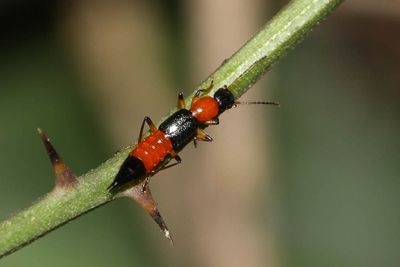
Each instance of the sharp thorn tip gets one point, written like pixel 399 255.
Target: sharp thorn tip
pixel 64 176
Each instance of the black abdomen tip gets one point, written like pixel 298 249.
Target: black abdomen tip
pixel 131 170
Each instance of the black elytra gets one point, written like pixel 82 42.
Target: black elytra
pixel 179 127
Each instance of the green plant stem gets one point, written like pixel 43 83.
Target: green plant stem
pixel 58 207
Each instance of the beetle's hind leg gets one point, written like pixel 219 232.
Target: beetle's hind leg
pixel 175 156
pixel 152 128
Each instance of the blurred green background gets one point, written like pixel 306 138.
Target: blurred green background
pixel 313 183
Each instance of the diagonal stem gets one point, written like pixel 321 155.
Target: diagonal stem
pixel 273 41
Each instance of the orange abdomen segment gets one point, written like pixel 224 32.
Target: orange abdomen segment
pixel 205 109
pixel 153 149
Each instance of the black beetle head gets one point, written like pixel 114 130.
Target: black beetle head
pixel 224 98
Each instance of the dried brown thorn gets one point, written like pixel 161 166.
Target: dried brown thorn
pixel 145 199
pixel 65 178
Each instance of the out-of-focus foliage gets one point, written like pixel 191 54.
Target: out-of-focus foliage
pixel 40 86
pixel 332 158
pixel 339 145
